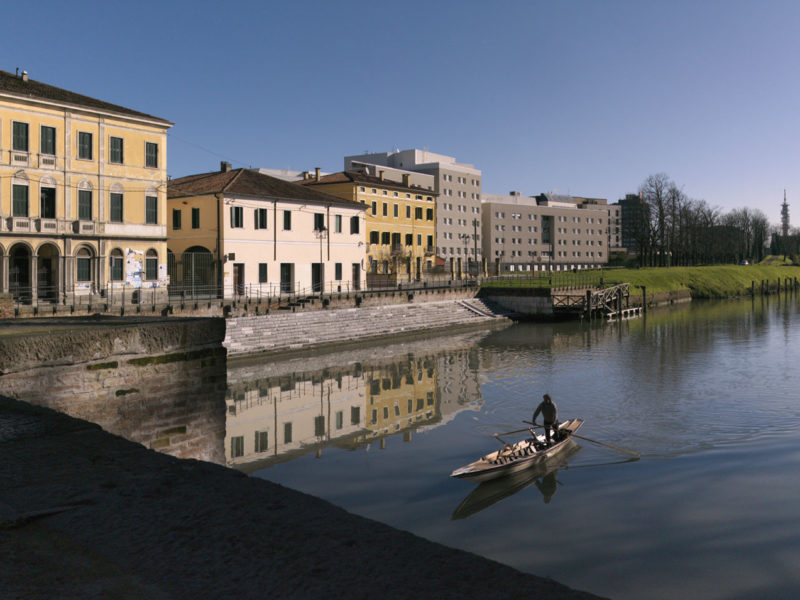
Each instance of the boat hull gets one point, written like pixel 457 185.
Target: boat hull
pixel 516 458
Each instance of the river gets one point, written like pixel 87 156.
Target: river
pixel 706 393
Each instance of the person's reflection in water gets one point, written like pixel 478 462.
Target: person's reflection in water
pixel 547 485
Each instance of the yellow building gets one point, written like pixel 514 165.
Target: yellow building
pixel 400 221
pixel 82 196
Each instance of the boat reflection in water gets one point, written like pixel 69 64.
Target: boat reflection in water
pixel 542 474
pixel 278 411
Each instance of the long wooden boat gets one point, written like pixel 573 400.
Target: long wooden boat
pixel 518 456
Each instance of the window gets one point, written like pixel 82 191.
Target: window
pixel 287 220
pixel 20 141
pixel 47 206
pixel 48 140
pixel 319 222
pixel 84 145
pixel 287 433
pixel 430 241
pixel 262 441
pixel 418 212
pixel 115 201
pixel 260 215
pixel 176 218
pixel 374 237
pixel 20 207
pixel 195 218
pixel 339 419
pixel 262 272
pixel 84 262
pixel 385 209
pixel 355 415
pixel 337 223
pixel 151 210
pixel 374 208
pixel 117 265
pixel 237 217
pixel 429 214
pixel 408 212
pixel 85 205
pixel 150 155
pixel 151 265
pixel 115 150
pixel 354 226
pixel 337 268
pixel 396 211
pixel 385 238
pixel 237 446
pixel 409 239
pixel 319 425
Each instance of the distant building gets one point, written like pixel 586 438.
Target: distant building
pixel 238 232
pixel 632 215
pixel 83 195
pixel 545 232
pixel 400 219
pixel 458 204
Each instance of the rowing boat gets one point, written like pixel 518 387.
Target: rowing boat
pixel 519 455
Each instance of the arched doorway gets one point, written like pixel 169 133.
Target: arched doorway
pixel 47 273
pixel 19 273
pixel 198 268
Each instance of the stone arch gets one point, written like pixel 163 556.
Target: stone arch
pixel 20 257
pixel 47 271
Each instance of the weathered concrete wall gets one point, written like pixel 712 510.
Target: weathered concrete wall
pixel 158 382
pixel 534 303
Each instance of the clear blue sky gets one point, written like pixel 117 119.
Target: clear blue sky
pixel 583 97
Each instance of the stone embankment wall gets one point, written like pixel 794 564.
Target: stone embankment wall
pixel 286 331
pixel 160 382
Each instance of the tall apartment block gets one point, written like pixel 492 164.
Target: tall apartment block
pixel 545 232
pixel 458 204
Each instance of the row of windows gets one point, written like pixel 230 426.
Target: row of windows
pixel 418 211
pixel 387 238
pixel 396 195
pixel 20 206
pixel 459 179
pixel 84 259
pixel 260 220
pixel 261 441
pixel 85 144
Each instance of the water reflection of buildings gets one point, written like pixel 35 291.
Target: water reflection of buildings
pixel 278 411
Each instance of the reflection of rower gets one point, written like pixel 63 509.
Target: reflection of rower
pixel 547 485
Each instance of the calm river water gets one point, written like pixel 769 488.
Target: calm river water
pixel 707 393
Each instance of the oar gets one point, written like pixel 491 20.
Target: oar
pixel 617 448
pixel 515 431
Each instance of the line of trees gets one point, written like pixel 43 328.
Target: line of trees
pixel 672 229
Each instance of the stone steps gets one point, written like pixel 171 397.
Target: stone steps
pixel 288 331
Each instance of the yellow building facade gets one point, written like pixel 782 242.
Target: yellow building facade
pixel 82 197
pixel 400 221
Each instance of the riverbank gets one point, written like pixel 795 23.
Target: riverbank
pixel 91 515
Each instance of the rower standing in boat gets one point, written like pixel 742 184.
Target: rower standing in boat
pixel 549 412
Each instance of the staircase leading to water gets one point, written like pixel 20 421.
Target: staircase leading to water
pixel 285 331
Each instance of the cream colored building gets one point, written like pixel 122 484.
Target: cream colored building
pixel 82 196
pixel 237 232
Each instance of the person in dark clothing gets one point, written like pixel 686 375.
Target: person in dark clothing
pixel 549 412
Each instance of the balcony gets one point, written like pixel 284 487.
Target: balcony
pixel 48 226
pixel 19 224
pixel 397 248
pixel 47 161
pixel 19 158
pixel 84 227
pixel 430 250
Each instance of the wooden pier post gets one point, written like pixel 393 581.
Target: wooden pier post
pixel 644 298
pixel 588 304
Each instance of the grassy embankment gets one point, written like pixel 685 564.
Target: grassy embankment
pixel 720 281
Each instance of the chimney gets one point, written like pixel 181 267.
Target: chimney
pixel 514 193
pixel 380 173
pixel 316 173
pixel 406 180
pixel 224 166
pixel 24 76
pixel 304 175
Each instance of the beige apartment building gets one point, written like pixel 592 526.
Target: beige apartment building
pixel 82 196
pixel 458 203
pixel 237 232
pixel 545 233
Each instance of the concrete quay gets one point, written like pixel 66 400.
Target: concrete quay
pixel 86 514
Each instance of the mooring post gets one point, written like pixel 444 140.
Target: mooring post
pixel 779 285
pixel 752 288
pixel 644 298
pixel 588 304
